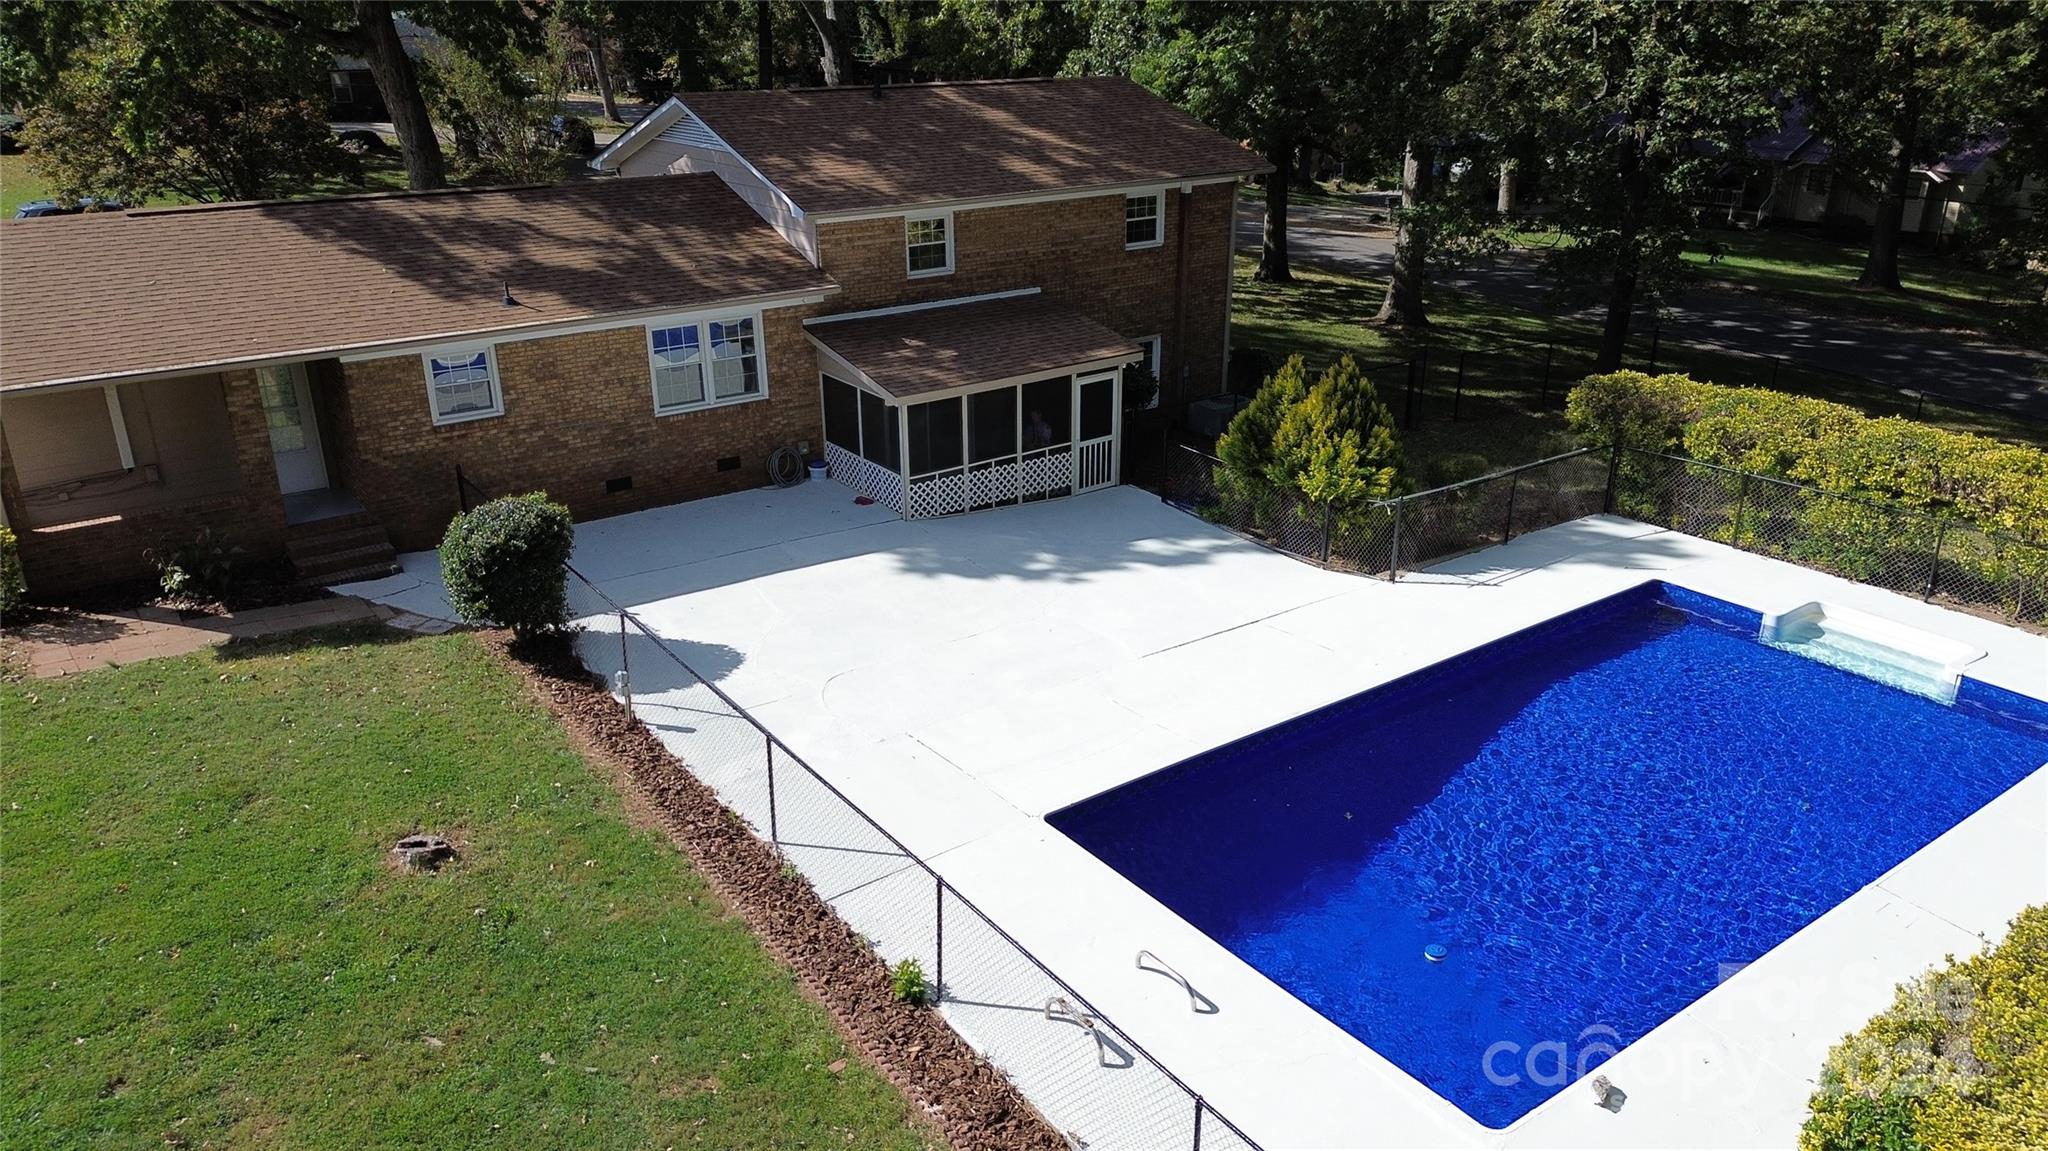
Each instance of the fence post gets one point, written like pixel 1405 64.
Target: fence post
pixel 1507 531
pixel 938 938
pixel 1327 517
pixel 1543 397
pixel 1408 398
pixel 1613 466
pixel 774 828
pixel 1656 338
pixel 1741 497
pixel 1198 1123
pixel 1934 569
pixel 625 668
pixel 1394 548
pixel 1919 404
pixel 1775 361
pixel 1458 394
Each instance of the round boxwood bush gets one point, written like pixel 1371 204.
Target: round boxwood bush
pixel 505 563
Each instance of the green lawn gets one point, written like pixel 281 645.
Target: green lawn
pixel 18 185
pixel 1818 273
pixel 1501 417
pixel 205 947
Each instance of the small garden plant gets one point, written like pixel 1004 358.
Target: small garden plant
pixel 906 982
pixel 506 563
pixel 12 585
pixel 1959 1062
pixel 201 568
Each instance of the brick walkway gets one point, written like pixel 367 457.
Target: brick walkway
pixel 85 640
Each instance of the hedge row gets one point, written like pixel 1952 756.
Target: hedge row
pixel 1959 1062
pixel 1997 486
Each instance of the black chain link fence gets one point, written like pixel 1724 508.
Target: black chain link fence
pixel 1899 549
pixel 1084 1073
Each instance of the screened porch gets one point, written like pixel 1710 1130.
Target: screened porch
pixel 937 410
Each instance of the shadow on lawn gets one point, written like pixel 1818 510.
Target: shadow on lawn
pixel 363 633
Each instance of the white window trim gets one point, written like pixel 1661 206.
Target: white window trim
pixel 1158 346
pixel 1158 198
pixel 703 321
pixel 453 351
pixel 918 217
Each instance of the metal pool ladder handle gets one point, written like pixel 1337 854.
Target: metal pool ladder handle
pixel 1198 1003
pixel 1058 1007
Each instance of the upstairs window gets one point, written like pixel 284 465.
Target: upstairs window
pixel 462 384
pixel 1142 221
pixel 928 245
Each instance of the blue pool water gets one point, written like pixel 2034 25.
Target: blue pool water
pixel 1593 818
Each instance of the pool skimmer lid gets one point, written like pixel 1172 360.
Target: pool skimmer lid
pixel 1436 952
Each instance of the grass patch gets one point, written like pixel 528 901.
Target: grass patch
pixel 19 184
pixel 1507 413
pixel 205 945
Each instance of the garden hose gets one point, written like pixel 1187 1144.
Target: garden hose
pixel 786 467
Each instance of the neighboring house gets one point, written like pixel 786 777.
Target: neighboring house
pixel 946 321
pixel 1792 181
pixel 352 93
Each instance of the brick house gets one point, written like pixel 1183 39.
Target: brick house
pixel 938 290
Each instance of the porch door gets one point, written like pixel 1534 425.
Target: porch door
pixel 1097 413
pixel 294 429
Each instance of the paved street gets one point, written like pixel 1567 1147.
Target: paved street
pixel 1975 370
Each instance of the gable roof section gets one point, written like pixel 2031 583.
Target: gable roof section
pixel 857 149
pixel 197 289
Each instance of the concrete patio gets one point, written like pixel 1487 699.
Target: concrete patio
pixel 959 678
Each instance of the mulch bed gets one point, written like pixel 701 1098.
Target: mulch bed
pixel 965 1097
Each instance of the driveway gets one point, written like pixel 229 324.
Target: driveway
pixel 1724 319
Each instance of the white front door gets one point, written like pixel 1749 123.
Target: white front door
pixel 1098 413
pixel 294 429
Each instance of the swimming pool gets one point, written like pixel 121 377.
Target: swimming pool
pixel 1596 820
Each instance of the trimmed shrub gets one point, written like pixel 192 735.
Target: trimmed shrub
pixel 13 586
pixel 1959 1062
pixel 1992 484
pixel 505 562
pixel 1331 443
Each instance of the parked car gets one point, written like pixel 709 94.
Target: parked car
pixel 34 208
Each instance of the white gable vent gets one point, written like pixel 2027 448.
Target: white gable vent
pixel 691 132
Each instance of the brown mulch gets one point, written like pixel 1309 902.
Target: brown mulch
pixel 959 1092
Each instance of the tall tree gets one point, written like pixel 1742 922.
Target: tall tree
pixel 159 99
pixel 1894 87
pixel 764 45
pixel 366 29
pixel 1634 105
pixel 837 23
pixel 1256 71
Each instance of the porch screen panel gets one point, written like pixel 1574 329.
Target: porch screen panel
pixel 1098 409
pixel 991 425
pixel 842 414
pixel 934 435
pixel 1048 412
pixel 878 432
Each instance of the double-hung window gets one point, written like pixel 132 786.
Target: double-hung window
pixel 462 384
pixel 1142 221
pixel 928 245
pixel 698 363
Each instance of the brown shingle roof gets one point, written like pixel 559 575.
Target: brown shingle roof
pixel 154 291
pixel 844 149
pixel 916 353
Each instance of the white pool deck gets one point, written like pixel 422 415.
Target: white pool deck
pixel 959 678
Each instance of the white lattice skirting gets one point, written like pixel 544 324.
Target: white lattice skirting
pixel 866 477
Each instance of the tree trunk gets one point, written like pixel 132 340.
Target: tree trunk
pixel 764 45
pixel 1273 242
pixel 1504 203
pixel 1403 304
pixel 602 69
pixel 1621 304
pixel 1881 267
pixel 835 44
pixel 399 83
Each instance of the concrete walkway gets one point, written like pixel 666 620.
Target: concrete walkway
pixel 81 641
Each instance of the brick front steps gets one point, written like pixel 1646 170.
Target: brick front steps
pixel 340 549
